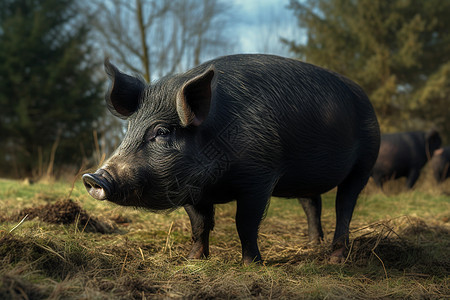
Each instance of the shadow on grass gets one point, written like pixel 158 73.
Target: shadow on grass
pixel 405 244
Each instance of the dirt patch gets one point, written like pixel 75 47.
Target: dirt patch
pixel 119 219
pixel 65 212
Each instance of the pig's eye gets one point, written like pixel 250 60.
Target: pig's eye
pixel 159 132
pixel 162 131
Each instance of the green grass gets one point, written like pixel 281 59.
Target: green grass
pixel 399 249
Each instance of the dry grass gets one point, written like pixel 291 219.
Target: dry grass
pixel 399 250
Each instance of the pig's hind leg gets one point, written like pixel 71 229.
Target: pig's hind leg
pixel 347 194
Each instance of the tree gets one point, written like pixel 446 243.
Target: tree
pixel 156 38
pixel 398 51
pixel 49 97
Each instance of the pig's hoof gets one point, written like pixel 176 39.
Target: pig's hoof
pixel 197 253
pixel 198 256
pixel 315 242
pixel 252 263
pixel 195 257
pixel 336 260
pixel 249 261
pixel 337 257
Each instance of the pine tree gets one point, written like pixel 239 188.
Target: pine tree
pixel 49 97
pixel 398 51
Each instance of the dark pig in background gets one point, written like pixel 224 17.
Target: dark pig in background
pixel 241 127
pixel 440 164
pixel 404 154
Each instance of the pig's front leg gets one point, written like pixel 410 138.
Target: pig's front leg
pixel 250 211
pixel 202 222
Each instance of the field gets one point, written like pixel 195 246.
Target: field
pixel 71 246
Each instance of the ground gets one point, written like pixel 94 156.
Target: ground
pixel 72 246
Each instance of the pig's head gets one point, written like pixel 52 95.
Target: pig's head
pixel 154 167
pixel 432 142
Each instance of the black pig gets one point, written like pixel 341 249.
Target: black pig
pixel 241 127
pixel 440 164
pixel 404 154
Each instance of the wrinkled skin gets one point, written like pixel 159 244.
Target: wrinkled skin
pixel 242 128
pixel 404 155
pixel 440 164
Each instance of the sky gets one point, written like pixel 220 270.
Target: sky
pixel 259 25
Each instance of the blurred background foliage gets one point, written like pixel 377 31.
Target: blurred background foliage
pixel 398 51
pixel 53 121
pixel 49 95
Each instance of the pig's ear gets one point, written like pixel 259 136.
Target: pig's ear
pixel 194 98
pixel 122 97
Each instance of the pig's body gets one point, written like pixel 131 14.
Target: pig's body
pixel 403 154
pixel 251 127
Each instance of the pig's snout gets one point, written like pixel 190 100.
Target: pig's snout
pixel 99 184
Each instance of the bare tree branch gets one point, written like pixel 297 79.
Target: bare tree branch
pixel 160 37
pixel 144 46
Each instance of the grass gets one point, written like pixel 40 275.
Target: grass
pixel 400 241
